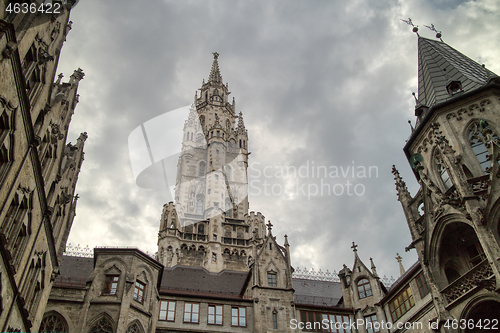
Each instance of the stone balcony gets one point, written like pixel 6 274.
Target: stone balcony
pixel 478 276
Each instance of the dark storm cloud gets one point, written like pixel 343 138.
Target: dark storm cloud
pixel 327 82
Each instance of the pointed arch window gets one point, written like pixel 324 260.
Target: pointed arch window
pixel 442 171
pixel 103 325
pixel 134 328
pixel 53 322
pixel 364 288
pixel 479 133
pixel 275 319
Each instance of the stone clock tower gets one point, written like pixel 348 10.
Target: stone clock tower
pixel 208 225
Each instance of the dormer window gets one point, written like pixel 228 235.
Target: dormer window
pixel 364 288
pixel 454 87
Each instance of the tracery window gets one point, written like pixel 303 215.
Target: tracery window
pixel 53 322
pixel 103 325
pixel 134 328
pixel 364 288
pixel 442 171
pixel 479 134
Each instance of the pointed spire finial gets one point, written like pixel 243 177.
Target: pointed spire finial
pixel 400 185
pixel 433 28
pixel 214 72
pixel 400 261
pixel 286 240
pixel 354 247
pixel 415 27
pixel 374 269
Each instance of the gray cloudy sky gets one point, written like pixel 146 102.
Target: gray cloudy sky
pixel 323 83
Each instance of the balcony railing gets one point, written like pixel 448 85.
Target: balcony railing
pixel 468 281
pixel 190 236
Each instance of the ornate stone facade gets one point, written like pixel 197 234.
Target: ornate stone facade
pixel 38 168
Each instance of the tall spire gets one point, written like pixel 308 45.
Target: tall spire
pixel 443 72
pixel 214 72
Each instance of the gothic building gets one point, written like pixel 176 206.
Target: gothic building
pixel 38 170
pixel 219 268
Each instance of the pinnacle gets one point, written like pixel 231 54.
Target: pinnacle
pixel 215 72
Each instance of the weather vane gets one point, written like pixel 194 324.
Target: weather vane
pixel 415 27
pixel 433 28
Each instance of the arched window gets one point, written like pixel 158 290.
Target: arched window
pixel 103 325
pixel 364 288
pixel 134 328
pixel 442 171
pixel 201 229
pixel 479 134
pixel 53 322
pixel 202 168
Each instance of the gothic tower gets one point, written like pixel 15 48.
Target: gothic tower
pixel 209 226
pixel 454 153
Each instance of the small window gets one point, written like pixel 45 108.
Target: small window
pixel 218 133
pixel 215 314
pixel 275 320
pixel 216 205
pixel 271 280
pixel 372 325
pixel 191 312
pixel 216 177
pixel 422 285
pixel 364 288
pixel 238 316
pixel 217 151
pixel 139 291
pixel 454 88
pixel 110 284
pixel 214 257
pixel 167 311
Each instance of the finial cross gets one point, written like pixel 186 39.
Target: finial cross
pixel 269 225
pixel 399 258
pixel 354 247
pixel 216 55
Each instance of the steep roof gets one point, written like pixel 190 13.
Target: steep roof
pixel 313 292
pixel 199 281
pixel 74 271
pixel 438 65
